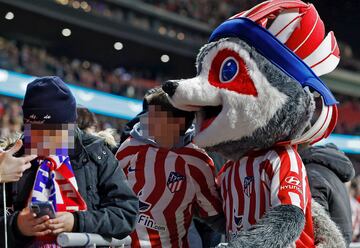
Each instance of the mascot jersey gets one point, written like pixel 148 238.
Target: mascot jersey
pixel 262 180
pixel 169 185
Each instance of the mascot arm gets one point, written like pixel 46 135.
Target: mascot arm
pixel 279 227
pixel 327 234
pixel 208 204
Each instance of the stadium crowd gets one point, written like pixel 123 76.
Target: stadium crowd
pixel 36 61
pixel 209 11
pixel 87 123
pixel 349 115
pixel 10 114
pixel 11 119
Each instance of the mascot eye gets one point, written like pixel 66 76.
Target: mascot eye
pixel 229 70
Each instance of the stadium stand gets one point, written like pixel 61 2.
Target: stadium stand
pixel 121 11
pixel 154 27
pixel 11 118
pixel 209 11
pixel 349 117
pixel 38 62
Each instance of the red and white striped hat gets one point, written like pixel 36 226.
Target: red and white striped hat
pixel 299 26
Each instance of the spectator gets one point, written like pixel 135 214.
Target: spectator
pixel 170 175
pixel 100 200
pixel 328 169
pixel 130 125
pixel 354 188
pixel 86 120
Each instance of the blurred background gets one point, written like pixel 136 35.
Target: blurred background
pixel 112 51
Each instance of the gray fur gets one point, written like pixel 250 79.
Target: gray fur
pixel 279 227
pixel 288 123
pixel 202 54
pixel 327 234
pixel 282 225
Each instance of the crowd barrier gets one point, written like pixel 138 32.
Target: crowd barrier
pixel 89 240
pixel 93 240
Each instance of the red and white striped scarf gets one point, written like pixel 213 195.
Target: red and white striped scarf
pixel 55 181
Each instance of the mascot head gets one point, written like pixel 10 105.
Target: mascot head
pixel 257 79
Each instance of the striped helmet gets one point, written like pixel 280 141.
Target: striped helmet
pixel 299 28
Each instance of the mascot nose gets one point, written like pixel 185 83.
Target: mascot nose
pixel 170 87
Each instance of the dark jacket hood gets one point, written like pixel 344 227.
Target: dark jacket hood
pixel 332 158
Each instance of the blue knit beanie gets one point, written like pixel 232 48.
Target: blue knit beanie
pixel 49 100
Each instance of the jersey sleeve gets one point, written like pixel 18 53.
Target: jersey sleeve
pixel 207 198
pixel 221 174
pixel 127 152
pixel 202 172
pixel 289 181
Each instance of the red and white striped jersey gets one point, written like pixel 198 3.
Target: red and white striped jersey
pixel 170 184
pixel 262 180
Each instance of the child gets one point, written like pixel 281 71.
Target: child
pixel 171 176
pixel 74 170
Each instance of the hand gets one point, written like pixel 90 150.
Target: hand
pixel 64 222
pixel 29 225
pixel 11 168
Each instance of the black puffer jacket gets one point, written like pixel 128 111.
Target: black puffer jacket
pixel 112 206
pixel 328 169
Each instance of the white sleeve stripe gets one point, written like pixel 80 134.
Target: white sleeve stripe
pixel 234 194
pixel 295 199
pixel 227 192
pixel 304 187
pixel 275 181
pixel 256 165
pixel 273 158
pixel 200 165
pixel 293 161
pixel 243 173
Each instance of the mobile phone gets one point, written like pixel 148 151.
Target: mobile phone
pixel 43 208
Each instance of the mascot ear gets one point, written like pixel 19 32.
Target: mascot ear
pixel 321 129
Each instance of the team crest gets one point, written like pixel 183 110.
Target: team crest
pixel 175 181
pixel 248 185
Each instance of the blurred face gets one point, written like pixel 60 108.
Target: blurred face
pixel 49 139
pixel 163 127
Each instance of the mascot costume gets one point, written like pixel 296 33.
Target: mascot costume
pixel 254 96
